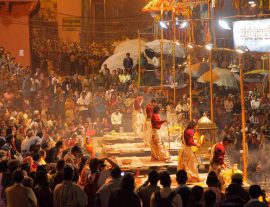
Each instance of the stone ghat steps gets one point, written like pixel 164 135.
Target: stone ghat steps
pixel 141 165
pixel 129 137
pixel 134 149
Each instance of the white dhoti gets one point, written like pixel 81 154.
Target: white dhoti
pixel 137 122
pixel 147 131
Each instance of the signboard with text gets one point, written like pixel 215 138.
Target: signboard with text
pixel 255 34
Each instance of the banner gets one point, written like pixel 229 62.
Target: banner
pixel 255 34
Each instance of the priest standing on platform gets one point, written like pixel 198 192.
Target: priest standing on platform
pixel 137 116
pixel 158 149
pixel 147 129
pixel 187 160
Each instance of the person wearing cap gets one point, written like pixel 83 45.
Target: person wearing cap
pixel 217 158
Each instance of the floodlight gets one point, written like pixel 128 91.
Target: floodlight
pixel 190 46
pixel 224 24
pixel 209 46
pixel 163 24
pixel 184 25
pixel 241 49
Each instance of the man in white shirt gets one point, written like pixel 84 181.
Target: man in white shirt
pixel 255 103
pixel 83 104
pixel 30 140
pixel 178 108
pixel 116 119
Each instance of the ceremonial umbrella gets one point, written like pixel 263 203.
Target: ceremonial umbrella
pixel 167 48
pixel 116 60
pixel 129 45
pixel 221 77
pixel 258 71
pixel 197 69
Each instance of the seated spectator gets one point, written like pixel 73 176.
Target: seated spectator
pixel 166 194
pixel 116 119
pixel 228 104
pixel 255 192
pixel 19 195
pixel 125 196
pixel 183 190
pixel 255 103
pixel 148 188
pixel 68 193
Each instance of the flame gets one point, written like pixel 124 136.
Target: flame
pixel 202 137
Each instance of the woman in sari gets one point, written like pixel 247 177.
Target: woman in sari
pixel 158 149
pixel 187 160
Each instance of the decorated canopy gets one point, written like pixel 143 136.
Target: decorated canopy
pixel 194 2
pixel 166 5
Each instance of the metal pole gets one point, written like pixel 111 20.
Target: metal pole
pixel 173 56
pixel 139 60
pixel 211 86
pixel 190 88
pixel 161 49
pixel 190 71
pixel 269 69
pixel 243 120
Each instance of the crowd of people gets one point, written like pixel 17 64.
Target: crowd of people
pixel 93 183
pixel 51 112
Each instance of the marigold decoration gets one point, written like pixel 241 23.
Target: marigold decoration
pixel 167 5
pixel 194 3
